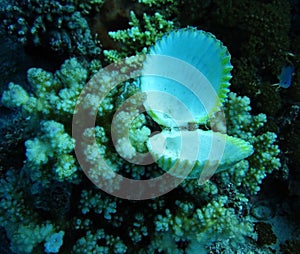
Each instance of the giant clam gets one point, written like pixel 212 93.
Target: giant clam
pixel 186 79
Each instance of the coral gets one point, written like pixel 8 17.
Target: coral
pixel 49 155
pixel 262 210
pixel 54 242
pixel 191 225
pixel 294 90
pixel 90 243
pixel 91 201
pixel 4 246
pixel 52 94
pixel 168 8
pixel 25 237
pixel 142 34
pixel 88 6
pixel 129 128
pixel 54 25
pixel 49 164
pixel 201 226
pixel 264 104
pixel 216 214
pixel 289 125
pixel 139 133
pixel 155 2
pixel 263 31
pixel 11 141
pixel 193 12
pixel 52 143
pixel 14 207
pixel 250 172
pixel 18 219
pixel 139 230
pixel 50 184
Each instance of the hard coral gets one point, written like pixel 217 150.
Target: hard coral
pixel 54 25
pixel 249 173
pixel 176 223
pixel 143 33
pixel 261 29
pixel 18 218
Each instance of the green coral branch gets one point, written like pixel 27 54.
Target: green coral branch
pixel 143 33
pixel 250 172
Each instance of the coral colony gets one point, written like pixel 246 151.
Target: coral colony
pixel 160 98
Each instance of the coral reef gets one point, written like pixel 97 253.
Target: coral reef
pixel 249 173
pixel 47 203
pixel 266 48
pixel 56 25
pixel 23 226
pixel 191 222
pixel 141 35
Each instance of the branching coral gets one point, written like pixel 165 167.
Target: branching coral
pixel 142 34
pixel 88 6
pixel 52 144
pixel 20 222
pixel 249 173
pixel 54 25
pixel 168 8
pixel 187 220
pixel 49 146
pixel 201 226
pixel 52 94
pixel 53 97
pixel 91 201
pixel 263 28
pixel 90 243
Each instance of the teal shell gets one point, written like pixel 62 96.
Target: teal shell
pixel 198 153
pixel 202 51
pixel 193 67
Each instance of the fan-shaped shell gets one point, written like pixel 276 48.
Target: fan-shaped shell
pixel 189 153
pixel 191 66
pixel 186 79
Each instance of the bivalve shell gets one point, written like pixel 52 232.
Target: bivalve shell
pixel 186 77
pixel 197 153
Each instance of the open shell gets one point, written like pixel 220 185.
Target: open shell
pixel 186 80
pixel 193 67
pixel 196 154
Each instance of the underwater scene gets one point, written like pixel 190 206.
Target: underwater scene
pixel 150 126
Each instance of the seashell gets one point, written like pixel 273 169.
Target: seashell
pixel 191 57
pixel 194 153
pixel 186 80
